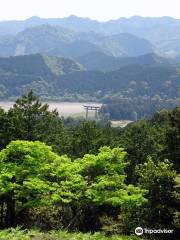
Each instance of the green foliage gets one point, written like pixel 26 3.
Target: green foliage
pixel 3 128
pixel 27 117
pixel 59 66
pixel 25 169
pixel 173 138
pixel 31 175
pixel 31 120
pixel 115 189
pixel 159 179
pixel 37 72
pixel 17 234
pixel 84 138
pixel 122 79
pixel 89 137
pixel 176 195
pixel 144 138
pixel 134 108
pixel 106 179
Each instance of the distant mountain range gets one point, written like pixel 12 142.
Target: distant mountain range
pixel 58 41
pixel 137 25
pixel 75 57
pixel 163 33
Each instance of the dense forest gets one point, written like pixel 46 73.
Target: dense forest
pixel 139 87
pixel 70 175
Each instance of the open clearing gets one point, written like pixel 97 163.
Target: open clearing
pixel 73 109
pixel 64 108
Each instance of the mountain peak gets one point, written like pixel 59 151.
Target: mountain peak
pixel 33 18
pixel 73 16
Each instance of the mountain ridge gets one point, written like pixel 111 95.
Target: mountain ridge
pixel 102 62
pixel 162 32
pixel 55 77
pixel 60 41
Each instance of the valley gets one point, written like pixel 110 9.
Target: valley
pixel 66 173
pixel 64 109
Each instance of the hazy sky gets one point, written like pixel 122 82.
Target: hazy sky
pixel 95 9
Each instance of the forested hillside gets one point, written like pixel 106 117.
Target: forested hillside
pixel 138 79
pixel 87 176
pixel 18 74
pixel 144 76
pixel 143 84
pixel 105 63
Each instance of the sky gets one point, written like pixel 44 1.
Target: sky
pixel 102 10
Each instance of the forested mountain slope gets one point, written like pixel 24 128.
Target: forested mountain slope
pixel 129 80
pixel 33 71
pixel 53 76
pixel 105 63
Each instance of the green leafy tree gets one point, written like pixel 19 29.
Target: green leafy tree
pixel 24 171
pixel 173 138
pixel 31 120
pixel 89 137
pixel 140 140
pixel 31 175
pixel 159 179
pixel 176 195
pixel 106 178
pixel 84 139
pixel 106 190
pixel 4 138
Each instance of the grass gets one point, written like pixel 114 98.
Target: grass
pixel 17 234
